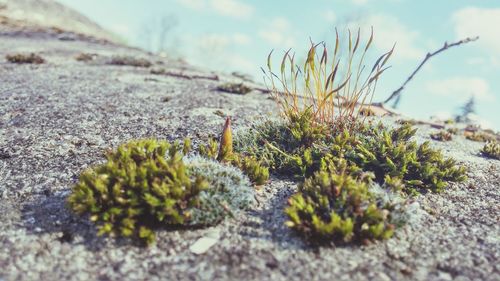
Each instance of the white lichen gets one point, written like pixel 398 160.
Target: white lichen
pixel 230 191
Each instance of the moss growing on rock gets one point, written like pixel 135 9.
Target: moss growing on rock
pixel 131 61
pixel 229 191
pixel 479 136
pixel 224 152
pixel 85 57
pixel 491 150
pixel 334 206
pixel 25 58
pixel 249 165
pixel 347 178
pixel 298 149
pixel 147 183
pixel 234 88
pixel 441 136
pixel 392 153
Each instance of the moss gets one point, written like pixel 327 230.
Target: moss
pixel 131 61
pixel 229 191
pixel 333 206
pixel 349 181
pixel 147 183
pixel 250 166
pixel 158 71
pixel 491 150
pixel 367 111
pixel 407 121
pixel 391 152
pixel 479 136
pixel 441 136
pixel 453 131
pixel 220 113
pixel 25 58
pixel 85 57
pixel 210 149
pixel 300 150
pixel 234 88
pixel 224 152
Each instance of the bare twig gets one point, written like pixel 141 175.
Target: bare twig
pixel 184 75
pixel 190 77
pixel 396 94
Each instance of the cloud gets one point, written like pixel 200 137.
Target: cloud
pixel 233 8
pixel 461 88
pixel 219 51
pixel 389 30
pixel 241 39
pixel 218 43
pixel 473 21
pixel 193 4
pixel 123 30
pixel 330 16
pixel 277 33
pixel 213 42
pixel 241 63
pixel 359 2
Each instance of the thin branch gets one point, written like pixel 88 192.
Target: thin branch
pixel 446 46
pixel 184 76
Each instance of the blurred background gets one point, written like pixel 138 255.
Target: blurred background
pixel 237 35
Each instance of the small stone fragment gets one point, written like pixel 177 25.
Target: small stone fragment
pixel 202 245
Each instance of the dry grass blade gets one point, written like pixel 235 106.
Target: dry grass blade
pixel 328 86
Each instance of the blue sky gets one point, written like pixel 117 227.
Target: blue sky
pixel 237 35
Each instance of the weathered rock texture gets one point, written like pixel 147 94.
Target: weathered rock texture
pixel 57 118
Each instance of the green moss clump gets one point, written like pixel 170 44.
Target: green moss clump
pixel 392 153
pixel 250 166
pixel 441 136
pixel 347 178
pixel 366 111
pixel 479 136
pixel 336 207
pixel 25 58
pixel 257 173
pixel 85 57
pixel 491 150
pixel 234 88
pixel 147 183
pixel 131 61
pixel 299 149
pixel 143 183
pixel 412 122
pixel 209 150
pixel 288 148
pixel 453 131
pixel 220 113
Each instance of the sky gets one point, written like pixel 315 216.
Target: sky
pixel 237 35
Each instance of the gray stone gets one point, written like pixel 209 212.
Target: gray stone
pixel 57 119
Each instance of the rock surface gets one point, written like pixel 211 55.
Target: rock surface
pixel 57 118
pixel 48 14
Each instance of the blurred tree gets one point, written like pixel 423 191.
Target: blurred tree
pixel 468 109
pixel 156 33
